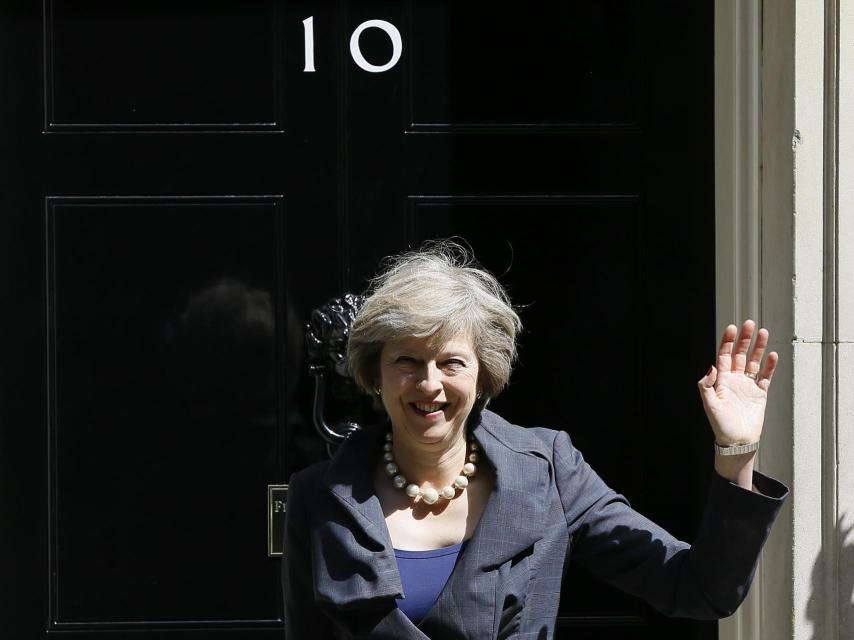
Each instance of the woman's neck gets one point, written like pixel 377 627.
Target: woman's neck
pixel 436 464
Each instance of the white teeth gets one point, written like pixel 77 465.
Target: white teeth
pixel 428 408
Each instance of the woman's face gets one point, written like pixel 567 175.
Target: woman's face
pixel 428 391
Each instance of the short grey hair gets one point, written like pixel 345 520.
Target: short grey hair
pixel 440 292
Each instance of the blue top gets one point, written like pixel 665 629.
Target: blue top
pixel 423 575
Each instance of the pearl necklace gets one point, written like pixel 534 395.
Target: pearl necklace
pixel 428 494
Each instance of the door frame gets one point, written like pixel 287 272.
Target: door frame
pixel 738 31
pixel 777 258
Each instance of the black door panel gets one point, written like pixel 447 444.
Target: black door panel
pixel 177 194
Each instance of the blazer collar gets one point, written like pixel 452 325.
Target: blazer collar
pixel 511 522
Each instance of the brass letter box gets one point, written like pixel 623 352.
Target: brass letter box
pixel 277 498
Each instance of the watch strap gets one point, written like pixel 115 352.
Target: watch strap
pixel 736 449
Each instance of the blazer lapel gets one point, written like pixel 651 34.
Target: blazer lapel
pixel 355 567
pixel 511 523
pixel 353 555
pixel 513 519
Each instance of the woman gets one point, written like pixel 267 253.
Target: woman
pixel 473 519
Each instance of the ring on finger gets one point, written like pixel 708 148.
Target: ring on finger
pixel 751 374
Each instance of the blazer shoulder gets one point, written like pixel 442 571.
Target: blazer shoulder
pixel 531 440
pixel 303 487
pixel 310 474
pixel 349 454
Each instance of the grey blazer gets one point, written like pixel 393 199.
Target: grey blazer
pixel 340 576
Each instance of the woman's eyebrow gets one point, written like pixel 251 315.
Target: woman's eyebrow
pixel 404 352
pixel 453 354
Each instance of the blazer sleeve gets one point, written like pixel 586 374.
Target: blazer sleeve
pixel 706 580
pixel 303 619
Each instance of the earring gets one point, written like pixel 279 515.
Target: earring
pixel 479 395
pixel 378 391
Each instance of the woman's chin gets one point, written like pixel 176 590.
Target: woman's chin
pixel 429 432
pixel 449 433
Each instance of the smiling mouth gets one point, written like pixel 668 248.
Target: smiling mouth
pixel 426 408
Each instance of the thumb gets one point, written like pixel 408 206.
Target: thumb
pixel 706 384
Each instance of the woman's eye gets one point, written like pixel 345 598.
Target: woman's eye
pixel 405 360
pixel 455 363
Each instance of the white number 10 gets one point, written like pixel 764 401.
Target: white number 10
pixel 355 49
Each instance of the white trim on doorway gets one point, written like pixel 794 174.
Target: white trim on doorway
pixel 738 34
pixel 783 101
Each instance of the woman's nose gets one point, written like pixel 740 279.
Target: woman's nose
pixel 430 379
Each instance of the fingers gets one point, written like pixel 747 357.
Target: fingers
pixel 733 355
pixel 764 379
pixel 724 361
pixel 754 362
pixel 739 354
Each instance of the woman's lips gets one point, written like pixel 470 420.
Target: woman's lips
pixel 428 409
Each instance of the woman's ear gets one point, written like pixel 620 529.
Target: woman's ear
pixel 377 395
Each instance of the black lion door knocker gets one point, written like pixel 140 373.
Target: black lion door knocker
pixel 340 406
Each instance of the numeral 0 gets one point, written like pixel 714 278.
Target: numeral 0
pixel 355 50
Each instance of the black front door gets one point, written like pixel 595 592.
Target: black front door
pixel 183 182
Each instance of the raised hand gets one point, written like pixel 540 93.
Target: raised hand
pixel 735 389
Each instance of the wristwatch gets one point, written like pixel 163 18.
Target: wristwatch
pixel 736 449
